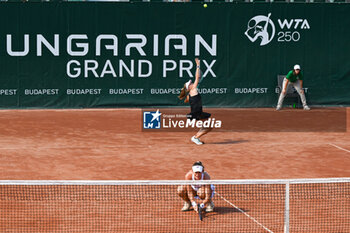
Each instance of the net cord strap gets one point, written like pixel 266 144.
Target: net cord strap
pixel 286 210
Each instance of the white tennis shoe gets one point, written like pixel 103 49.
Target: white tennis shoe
pixel 196 140
pixel 210 207
pixel 186 206
pixel 279 107
pixel 306 108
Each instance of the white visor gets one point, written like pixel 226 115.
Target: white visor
pixel 197 168
pixel 297 67
pixel 188 84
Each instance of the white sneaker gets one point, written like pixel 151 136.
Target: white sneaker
pixel 196 140
pixel 210 207
pixel 279 107
pixel 186 206
pixel 306 108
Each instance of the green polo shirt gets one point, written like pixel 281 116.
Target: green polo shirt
pixel 293 78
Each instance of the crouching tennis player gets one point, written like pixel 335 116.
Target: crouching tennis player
pixel 202 193
pixel 191 94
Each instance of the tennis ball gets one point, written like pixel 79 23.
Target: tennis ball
pixel 205 5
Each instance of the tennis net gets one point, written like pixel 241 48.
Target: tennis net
pixel 302 205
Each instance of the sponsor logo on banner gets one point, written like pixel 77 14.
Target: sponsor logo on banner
pixel 262 29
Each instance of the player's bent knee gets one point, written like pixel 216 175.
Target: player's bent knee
pixel 181 190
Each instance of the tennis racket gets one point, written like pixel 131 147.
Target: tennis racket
pixel 200 212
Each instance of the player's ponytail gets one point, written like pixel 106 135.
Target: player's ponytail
pixel 183 93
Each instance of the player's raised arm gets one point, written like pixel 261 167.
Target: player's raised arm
pixel 195 84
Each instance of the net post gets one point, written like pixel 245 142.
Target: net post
pixel 286 209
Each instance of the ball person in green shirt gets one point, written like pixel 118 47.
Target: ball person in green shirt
pixel 295 78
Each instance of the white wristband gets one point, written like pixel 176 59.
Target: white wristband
pixel 194 203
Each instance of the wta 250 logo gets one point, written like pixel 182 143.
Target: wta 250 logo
pixel 261 28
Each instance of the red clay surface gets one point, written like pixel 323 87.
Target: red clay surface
pixel 109 145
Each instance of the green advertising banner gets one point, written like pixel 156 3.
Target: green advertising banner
pixel 79 55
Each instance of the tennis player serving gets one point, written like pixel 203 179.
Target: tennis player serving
pixel 294 77
pixel 202 193
pixel 191 94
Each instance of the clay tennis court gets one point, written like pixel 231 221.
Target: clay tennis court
pixel 108 144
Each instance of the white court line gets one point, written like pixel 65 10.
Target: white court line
pixel 340 148
pixel 240 210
